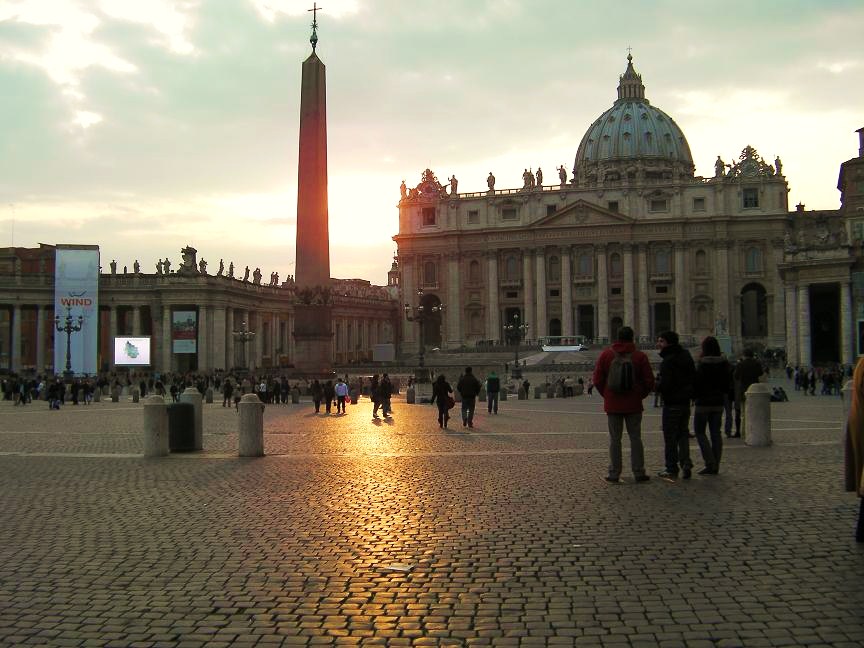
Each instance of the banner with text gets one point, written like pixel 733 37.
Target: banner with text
pixel 76 310
pixel 184 331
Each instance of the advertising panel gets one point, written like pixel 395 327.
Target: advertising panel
pixel 132 351
pixel 184 331
pixel 76 309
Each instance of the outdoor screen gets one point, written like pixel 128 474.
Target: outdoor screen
pixel 132 351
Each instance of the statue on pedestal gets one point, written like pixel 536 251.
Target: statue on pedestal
pixel 562 175
pixel 720 325
pixel 221 270
pixel 490 182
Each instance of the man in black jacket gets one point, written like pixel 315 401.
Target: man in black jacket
pixel 469 387
pixel 493 387
pixel 677 372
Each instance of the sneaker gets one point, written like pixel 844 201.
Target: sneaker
pixel 687 474
pixel 665 474
pixel 642 478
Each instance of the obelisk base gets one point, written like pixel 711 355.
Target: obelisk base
pixel 313 340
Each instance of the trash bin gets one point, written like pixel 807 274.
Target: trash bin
pixel 181 427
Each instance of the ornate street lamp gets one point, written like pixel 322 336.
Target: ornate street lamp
pixel 421 315
pixel 243 336
pixel 68 326
pixel 516 332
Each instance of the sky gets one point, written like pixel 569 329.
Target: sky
pixel 144 127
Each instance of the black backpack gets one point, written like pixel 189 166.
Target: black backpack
pixel 621 379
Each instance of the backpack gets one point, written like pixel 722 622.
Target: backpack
pixel 621 378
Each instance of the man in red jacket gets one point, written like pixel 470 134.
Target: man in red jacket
pixel 623 403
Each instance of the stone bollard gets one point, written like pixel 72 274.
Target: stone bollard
pixel 522 394
pixel 251 434
pixel 115 394
pixel 295 396
pixel 757 415
pixel 410 396
pixel 155 427
pixel 208 395
pixel 192 395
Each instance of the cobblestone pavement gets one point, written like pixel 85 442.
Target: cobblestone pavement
pixel 395 532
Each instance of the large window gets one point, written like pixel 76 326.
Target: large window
pixel 701 262
pixel 554 269
pixel 753 260
pixel 428 216
pixel 474 272
pixel 661 262
pixel 508 213
pixel 430 274
pixel 511 268
pixel 586 265
pixel 615 268
pixel 751 197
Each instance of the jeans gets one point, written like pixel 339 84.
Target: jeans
pixel 492 400
pixel 443 412
pixel 712 450
pixel 468 405
pixel 616 423
pixel 727 416
pixel 676 437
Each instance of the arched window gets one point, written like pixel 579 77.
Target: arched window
pixel 474 272
pixel 701 262
pixel 586 265
pixel 615 268
pixel 661 262
pixel 511 268
pixel 753 260
pixel 554 269
pixel 430 274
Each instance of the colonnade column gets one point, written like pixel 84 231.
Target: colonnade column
pixel 136 321
pixel 791 324
pixel 644 320
pixel 258 340
pixel 204 350
pixel 804 325
pixel 566 293
pixel 166 337
pixel 112 333
pixel 16 338
pixel 218 344
pixel 847 353
pixel 289 331
pixel 540 266
pixel 629 303
pixel 40 338
pixel 453 307
pixel 230 357
pixel 682 305
pixel 528 286
pixel 494 317
pixel 602 295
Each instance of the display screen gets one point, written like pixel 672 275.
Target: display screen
pixel 132 351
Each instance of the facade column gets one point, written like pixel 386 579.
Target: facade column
pixel 15 356
pixel 804 325
pixel 112 333
pixel 136 321
pixel 629 301
pixel 493 320
pixel 777 329
pixel 847 353
pixel 682 302
pixel 602 295
pixel 540 266
pixel 204 343
pixel 792 324
pixel 528 286
pixel 166 338
pixel 644 302
pixel 230 357
pixel 721 290
pixel 454 306
pixel 40 338
pixel 409 334
pixel 218 343
pixel 566 293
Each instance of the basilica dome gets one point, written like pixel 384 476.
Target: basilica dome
pixel 632 129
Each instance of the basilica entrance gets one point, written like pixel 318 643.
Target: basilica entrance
pixel 585 320
pixel 825 323
pixel 431 321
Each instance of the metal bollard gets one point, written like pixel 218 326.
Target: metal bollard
pixel 757 415
pixel 155 427
pixel 192 395
pixel 251 433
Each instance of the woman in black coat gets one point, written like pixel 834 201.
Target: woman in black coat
pixel 441 391
pixel 710 388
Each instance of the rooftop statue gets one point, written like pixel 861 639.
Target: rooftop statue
pixel 490 182
pixel 562 175
pixel 539 177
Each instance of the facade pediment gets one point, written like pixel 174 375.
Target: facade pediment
pixel 582 213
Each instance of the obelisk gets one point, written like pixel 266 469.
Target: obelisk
pixel 312 312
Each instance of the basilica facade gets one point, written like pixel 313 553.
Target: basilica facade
pixel 631 236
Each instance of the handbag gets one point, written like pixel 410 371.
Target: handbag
pixel 451 402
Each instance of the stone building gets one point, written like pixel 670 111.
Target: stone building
pixel 634 237
pixel 138 303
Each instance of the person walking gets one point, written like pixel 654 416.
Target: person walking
pixel 329 395
pixel 854 445
pixel 710 392
pixel 623 377
pixel 385 391
pixel 747 371
pixel 469 388
pixel 493 389
pixel 441 395
pixel 374 395
pixel 317 394
pixel 677 372
pixel 341 394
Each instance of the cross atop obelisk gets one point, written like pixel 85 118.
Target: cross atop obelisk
pixel 314 38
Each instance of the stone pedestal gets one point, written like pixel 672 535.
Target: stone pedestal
pixel 312 340
pixel 757 415
pixel 192 395
pixel 155 427
pixel 251 433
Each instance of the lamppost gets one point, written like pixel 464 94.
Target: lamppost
pixel 243 336
pixel 421 314
pixel 516 332
pixel 67 326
